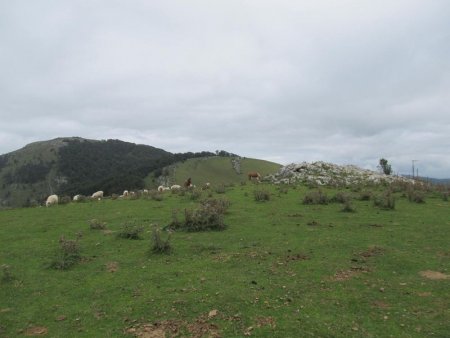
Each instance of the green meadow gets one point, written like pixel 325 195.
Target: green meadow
pixel 280 268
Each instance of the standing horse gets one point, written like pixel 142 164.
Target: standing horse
pixel 254 174
pixel 188 183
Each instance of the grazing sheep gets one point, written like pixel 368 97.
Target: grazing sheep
pixel 52 199
pixel 161 188
pixel 97 195
pixel 145 192
pixel 76 197
pixel 175 187
pixel 125 193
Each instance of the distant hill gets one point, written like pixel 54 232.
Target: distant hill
pixel 438 181
pixel 215 170
pixel 73 165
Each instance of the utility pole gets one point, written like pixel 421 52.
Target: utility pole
pixel 413 167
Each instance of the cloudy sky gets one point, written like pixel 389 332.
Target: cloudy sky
pixel 346 81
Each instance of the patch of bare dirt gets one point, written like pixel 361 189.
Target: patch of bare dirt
pixel 164 329
pixel 434 275
pixel 381 305
pixel 260 322
pixel 112 266
pixel 36 331
pixel 297 257
pixel 343 275
pixel 265 321
pixel 372 252
pixel 198 328
pixel 424 294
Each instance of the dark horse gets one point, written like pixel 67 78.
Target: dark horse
pixel 188 183
pixel 254 174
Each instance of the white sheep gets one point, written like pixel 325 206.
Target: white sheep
pixel 125 193
pixel 76 197
pixel 97 195
pixel 175 187
pixel 52 199
pixel 145 192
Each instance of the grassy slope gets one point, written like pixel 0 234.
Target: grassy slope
pixel 247 272
pixel 218 170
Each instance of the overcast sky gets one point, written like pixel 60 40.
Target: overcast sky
pixel 346 81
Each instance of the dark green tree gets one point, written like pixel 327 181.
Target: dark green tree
pixel 385 166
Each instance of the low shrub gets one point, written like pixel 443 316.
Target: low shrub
pixel 348 206
pixel 315 197
pixel 64 200
pixel 208 216
pixel 416 196
pixel 385 200
pixel 68 253
pixel 195 194
pixel 340 197
pixel 218 204
pixel 95 224
pixel 155 195
pixel 130 230
pixel 220 189
pixel 7 275
pixel 261 195
pixel 160 246
pixel 283 189
pixel 365 195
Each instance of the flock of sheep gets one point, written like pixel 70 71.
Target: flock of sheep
pixel 98 195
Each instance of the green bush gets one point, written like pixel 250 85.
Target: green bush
pixel 340 197
pixel 95 224
pixel 365 195
pixel 7 275
pixel 64 200
pixel 416 196
pixel 195 194
pixel 68 253
pixel 385 200
pixel 130 230
pixel 208 216
pixel 160 246
pixel 315 197
pixel 261 195
pixel 348 206
pixel 220 189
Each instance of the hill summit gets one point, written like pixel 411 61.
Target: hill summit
pixel 324 173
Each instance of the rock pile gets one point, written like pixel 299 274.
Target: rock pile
pixel 323 173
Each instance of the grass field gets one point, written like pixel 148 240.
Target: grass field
pixel 280 269
pixel 218 170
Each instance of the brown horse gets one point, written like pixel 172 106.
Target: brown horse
pixel 188 183
pixel 254 174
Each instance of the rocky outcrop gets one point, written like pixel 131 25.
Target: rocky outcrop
pixel 236 163
pixel 323 173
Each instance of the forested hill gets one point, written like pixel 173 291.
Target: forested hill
pixel 68 166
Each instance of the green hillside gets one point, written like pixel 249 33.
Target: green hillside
pixel 285 267
pixel 73 165
pixel 218 170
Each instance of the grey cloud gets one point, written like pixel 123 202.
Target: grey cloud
pixel 347 82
